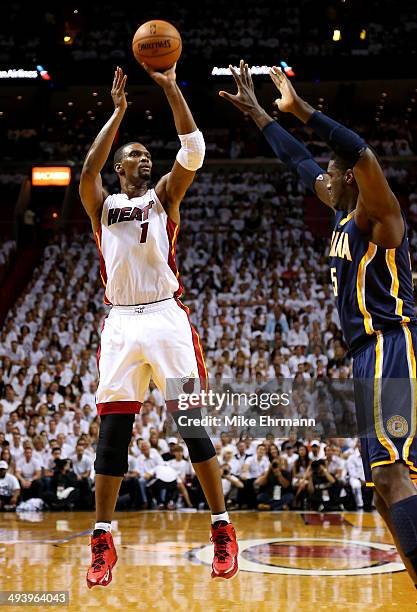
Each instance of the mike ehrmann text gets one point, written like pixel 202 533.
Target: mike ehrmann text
pixel 240 420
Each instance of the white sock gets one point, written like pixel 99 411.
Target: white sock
pixel 103 526
pixel 224 516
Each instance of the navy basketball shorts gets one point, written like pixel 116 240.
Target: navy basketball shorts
pixel 384 374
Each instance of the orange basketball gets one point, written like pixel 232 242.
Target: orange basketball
pixel 158 44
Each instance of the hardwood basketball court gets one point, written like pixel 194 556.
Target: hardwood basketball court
pixel 288 560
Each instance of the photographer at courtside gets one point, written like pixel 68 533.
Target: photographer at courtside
pixel 323 488
pixel 275 489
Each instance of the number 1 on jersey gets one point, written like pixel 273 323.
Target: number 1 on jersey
pixel 143 232
pixel 334 281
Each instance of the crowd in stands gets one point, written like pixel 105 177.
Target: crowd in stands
pixel 7 252
pixel 103 32
pixel 258 290
pixel 71 140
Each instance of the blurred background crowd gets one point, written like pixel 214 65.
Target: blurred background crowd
pixel 252 249
pixel 102 33
pixel 257 286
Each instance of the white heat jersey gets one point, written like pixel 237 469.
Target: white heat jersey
pixel 137 242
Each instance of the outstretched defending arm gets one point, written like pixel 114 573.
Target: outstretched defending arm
pixel 287 148
pixel 91 188
pixel 173 186
pixel 375 195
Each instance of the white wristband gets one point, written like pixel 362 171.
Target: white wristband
pixel 193 148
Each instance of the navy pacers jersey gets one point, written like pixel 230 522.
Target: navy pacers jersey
pixel 373 286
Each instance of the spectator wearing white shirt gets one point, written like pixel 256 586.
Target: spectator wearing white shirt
pixel 19 383
pixel 90 396
pixel 356 476
pixel 43 374
pixel 288 453
pixel 3 418
pixel 296 336
pixel 36 353
pixel 182 469
pixel 145 426
pixel 39 452
pixel 298 358
pixel 133 483
pixel 317 356
pixel 10 403
pixel 158 444
pixel 154 395
pixel 9 488
pixel 63 373
pixel 132 463
pixel 317 451
pixel 230 483
pixel 74 434
pixel 66 449
pixel 89 413
pixel 253 467
pixel 64 335
pixel 86 377
pixel 81 463
pixel 61 427
pixel 16 353
pixel 56 396
pixel 78 417
pixel 180 465
pixel 148 459
pixel 150 410
pixel 163 482
pixel 20 424
pixel 256 465
pixel 239 458
pixel 335 464
pixel 28 473
pixel 16 446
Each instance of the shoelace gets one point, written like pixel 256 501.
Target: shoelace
pixel 98 552
pixel 220 541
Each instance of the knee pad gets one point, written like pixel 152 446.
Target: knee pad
pixel 200 447
pixel 113 444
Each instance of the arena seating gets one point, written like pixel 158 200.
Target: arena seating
pixel 258 290
pixel 209 32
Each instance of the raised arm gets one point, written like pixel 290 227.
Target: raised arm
pixel 173 186
pixel 376 200
pixel 91 189
pixel 287 148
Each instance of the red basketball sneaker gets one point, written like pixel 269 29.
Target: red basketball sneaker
pixel 225 551
pixel 104 557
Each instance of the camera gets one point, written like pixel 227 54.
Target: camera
pixel 315 466
pixel 275 464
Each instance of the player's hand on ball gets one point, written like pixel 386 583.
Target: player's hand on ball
pixel 289 98
pixel 118 89
pixel 164 79
pixel 245 99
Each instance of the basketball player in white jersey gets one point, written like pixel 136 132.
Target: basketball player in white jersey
pixel 147 332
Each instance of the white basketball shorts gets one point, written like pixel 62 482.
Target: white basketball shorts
pixel 142 342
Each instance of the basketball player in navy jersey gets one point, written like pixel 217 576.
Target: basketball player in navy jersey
pixel 147 332
pixel 371 276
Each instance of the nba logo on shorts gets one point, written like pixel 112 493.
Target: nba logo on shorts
pixel 397 426
pixel 188 383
